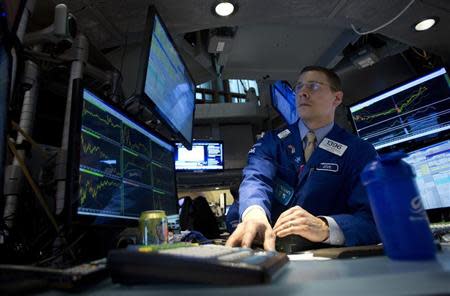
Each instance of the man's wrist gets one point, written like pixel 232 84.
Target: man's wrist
pixel 253 212
pixel 326 228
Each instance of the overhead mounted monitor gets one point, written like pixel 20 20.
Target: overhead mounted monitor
pixel 405 114
pixel 283 100
pixel 204 156
pixel 164 82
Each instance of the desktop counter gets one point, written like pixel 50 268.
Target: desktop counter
pixel 359 276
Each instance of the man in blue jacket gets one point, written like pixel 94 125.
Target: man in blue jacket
pixel 304 180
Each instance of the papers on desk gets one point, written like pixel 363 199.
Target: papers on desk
pixel 305 256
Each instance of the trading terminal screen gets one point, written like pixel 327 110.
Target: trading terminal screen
pixel 168 83
pixel 203 156
pixel 283 100
pixel 408 112
pixel 124 168
pixel 432 167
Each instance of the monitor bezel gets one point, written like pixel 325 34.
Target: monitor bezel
pixel 202 170
pixel 142 74
pixel 272 96
pixel 72 184
pixel 406 145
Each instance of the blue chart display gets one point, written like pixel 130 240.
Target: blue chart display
pixel 124 169
pixel 432 167
pixel 283 99
pixel 168 83
pixel 410 111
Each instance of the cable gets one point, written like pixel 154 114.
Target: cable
pixel 385 24
pixel 61 252
pixel 37 192
pixel 29 139
pixel 33 185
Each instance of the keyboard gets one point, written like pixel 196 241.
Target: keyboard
pixel 191 263
pixel 69 278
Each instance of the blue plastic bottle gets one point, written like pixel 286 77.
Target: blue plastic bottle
pixel 397 208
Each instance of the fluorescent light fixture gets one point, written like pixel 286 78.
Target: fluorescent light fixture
pixel 425 24
pixel 224 8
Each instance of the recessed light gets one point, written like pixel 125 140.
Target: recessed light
pixel 224 8
pixel 425 24
pixel 217 188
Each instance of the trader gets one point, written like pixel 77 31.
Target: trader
pixel 304 180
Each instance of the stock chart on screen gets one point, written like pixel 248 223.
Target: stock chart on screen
pixel 413 110
pixel 124 169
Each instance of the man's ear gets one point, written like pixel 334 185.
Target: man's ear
pixel 338 98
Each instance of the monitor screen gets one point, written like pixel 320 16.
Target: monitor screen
pixel 5 85
pixel 124 168
pixel 164 81
pixel 283 100
pixel 432 167
pixel 406 113
pixel 204 156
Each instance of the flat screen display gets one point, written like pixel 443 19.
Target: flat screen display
pixel 168 85
pixel 283 100
pixel 204 156
pixel 432 167
pixel 124 169
pixel 407 113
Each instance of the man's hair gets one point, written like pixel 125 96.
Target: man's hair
pixel 333 78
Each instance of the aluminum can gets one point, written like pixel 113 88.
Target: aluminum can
pixel 153 228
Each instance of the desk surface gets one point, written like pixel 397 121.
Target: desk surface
pixel 363 276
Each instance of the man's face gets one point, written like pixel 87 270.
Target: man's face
pixel 316 100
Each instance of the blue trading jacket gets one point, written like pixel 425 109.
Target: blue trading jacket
pixel 277 178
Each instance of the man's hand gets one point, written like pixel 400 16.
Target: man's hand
pixel 254 226
pixel 298 221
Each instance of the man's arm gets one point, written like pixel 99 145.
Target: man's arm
pixel 254 201
pixel 358 226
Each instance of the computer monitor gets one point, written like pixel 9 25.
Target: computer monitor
pixel 405 114
pixel 432 167
pixel 11 10
pixel 164 82
pixel 204 156
pixel 283 100
pixel 123 167
pixel 5 84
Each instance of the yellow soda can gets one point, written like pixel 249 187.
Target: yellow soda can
pixel 153 228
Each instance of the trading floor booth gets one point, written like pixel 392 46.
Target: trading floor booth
pixel 107 165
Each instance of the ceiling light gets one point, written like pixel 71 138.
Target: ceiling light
pixel 425 24
pixel 224 8
pixel 217 188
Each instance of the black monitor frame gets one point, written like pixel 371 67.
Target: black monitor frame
pixel 13 24
pixel 142 71
pixel 72 200
pixel 408 145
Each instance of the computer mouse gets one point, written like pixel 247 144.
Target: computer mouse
pixel 295 243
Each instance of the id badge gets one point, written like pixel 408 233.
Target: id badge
pixel 282 192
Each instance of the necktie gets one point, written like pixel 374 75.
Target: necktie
pixel 310 144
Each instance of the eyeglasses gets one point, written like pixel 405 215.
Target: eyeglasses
pixel 312 86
